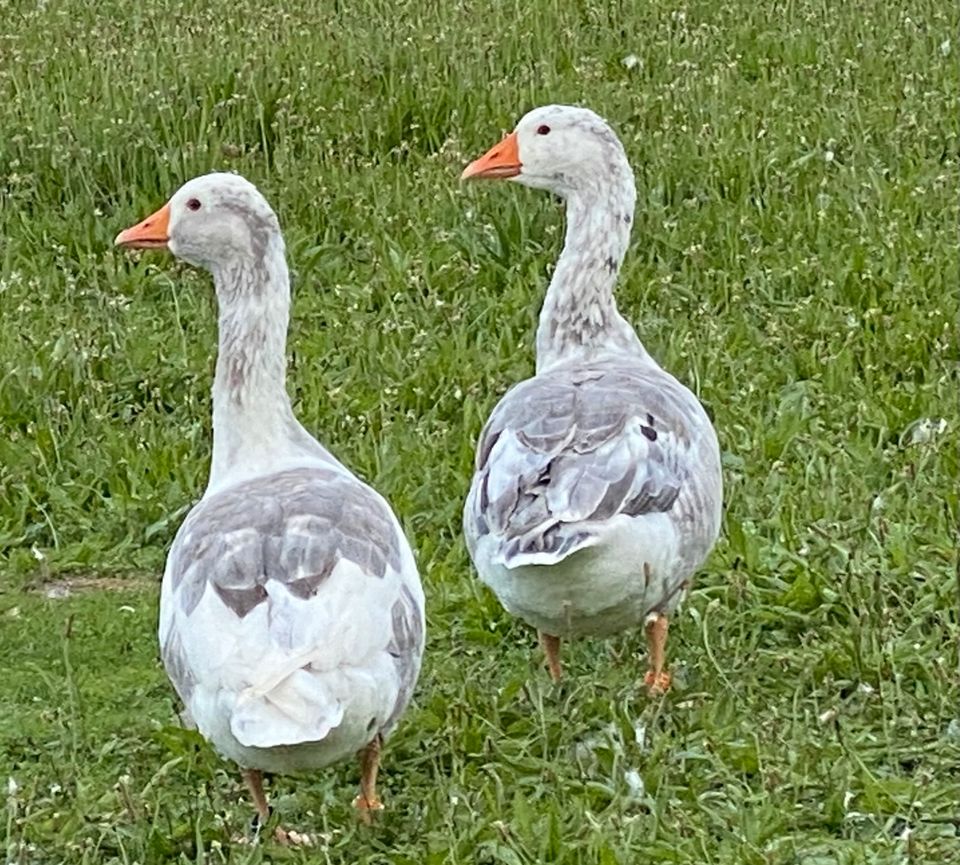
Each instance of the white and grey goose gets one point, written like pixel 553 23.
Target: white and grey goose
pixel 291 610
pixel 597 491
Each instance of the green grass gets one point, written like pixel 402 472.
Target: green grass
pixel 794 260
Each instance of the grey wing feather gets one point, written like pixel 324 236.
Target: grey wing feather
pixel 406 649
pixel 292 527
pixel 177 667
pixel 568 450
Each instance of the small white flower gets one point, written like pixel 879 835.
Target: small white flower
pixel 828 156
pixel 631 61
pixel 12 787
pixel 634 783
pixel 926 430
pixel 945 48
pixel 37 553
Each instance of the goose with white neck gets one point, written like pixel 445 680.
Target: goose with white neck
pixel 597 490
pixel 291 610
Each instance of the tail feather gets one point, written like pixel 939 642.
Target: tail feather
pixel 543 548
pixel 293 711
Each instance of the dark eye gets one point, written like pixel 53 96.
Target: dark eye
pixel 193 204
pixel 543 130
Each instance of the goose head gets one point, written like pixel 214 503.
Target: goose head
pixel 560 148
pixel 211 221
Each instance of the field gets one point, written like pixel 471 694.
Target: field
pixel 794 260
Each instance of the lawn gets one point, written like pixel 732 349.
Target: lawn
pixel 794 260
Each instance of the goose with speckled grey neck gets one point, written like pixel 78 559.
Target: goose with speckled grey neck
pixel 291 609
pixel 597 490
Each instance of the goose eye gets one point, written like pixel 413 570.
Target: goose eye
pixel 543 130
pixel 193 204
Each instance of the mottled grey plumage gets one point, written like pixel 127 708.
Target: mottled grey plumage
pixel 177 666
pixel 574 448
pixel 291 527
pixel 406 642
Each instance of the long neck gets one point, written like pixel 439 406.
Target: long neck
pixel 579 319
pixel 253 422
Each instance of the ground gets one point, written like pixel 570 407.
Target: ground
pixel 794 260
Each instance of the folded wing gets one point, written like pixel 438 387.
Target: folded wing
pixel 568 451
pixel 290 596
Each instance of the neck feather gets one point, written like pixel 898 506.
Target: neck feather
pixel 253 421
pixel 579 319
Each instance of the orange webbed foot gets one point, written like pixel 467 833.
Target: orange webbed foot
pixel 657 683
pixel 367 808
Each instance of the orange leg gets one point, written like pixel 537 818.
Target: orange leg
pixel 254 781
pixel 551 647
pixel 657 679
pixel 368 801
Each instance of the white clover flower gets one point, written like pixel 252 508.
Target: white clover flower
pixel 926 430
pixel 634 783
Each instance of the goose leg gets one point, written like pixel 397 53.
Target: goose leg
pixel 253 778
pixel 254 782
pixel 368 800
pixel 657 679
pixel 551 648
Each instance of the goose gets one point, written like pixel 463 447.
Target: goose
pixel 291 610
pixel 597 488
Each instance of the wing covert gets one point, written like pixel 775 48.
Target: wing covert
pixel 292 528
pixel 565 452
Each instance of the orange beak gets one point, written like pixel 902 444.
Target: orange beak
pixel 152 233
pixel 500 161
